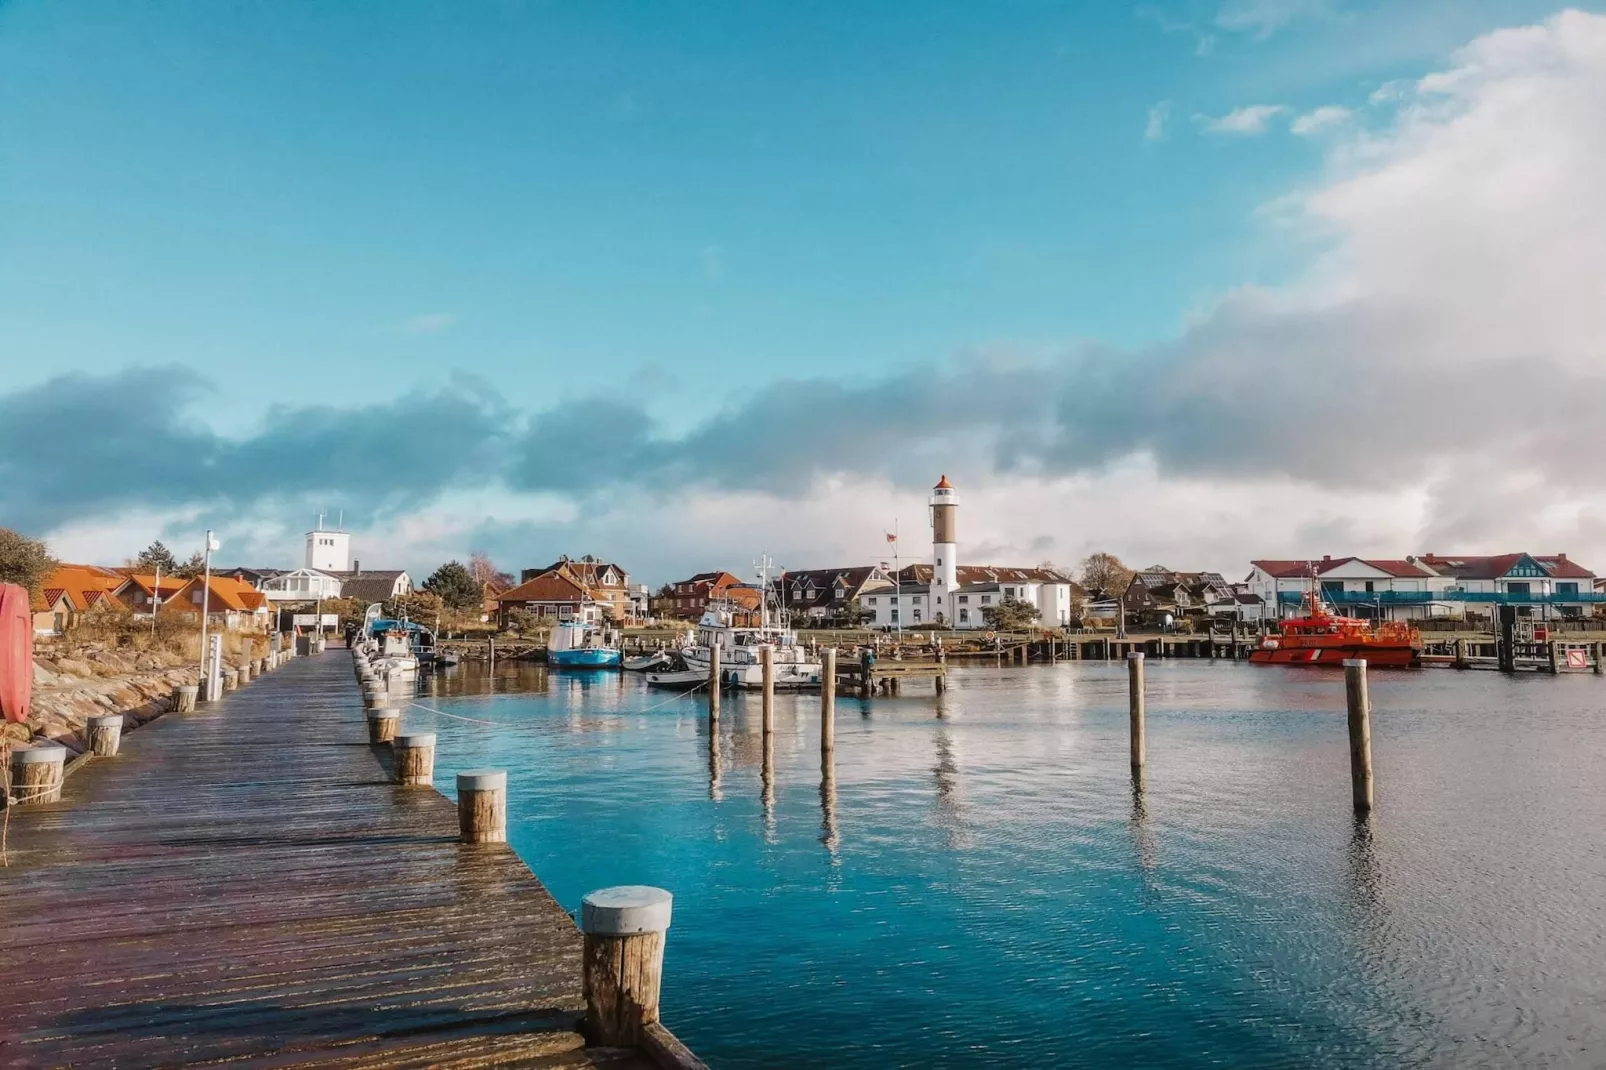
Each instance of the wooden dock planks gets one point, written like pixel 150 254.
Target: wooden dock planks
pixel 244 885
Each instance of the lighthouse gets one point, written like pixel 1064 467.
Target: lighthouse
pixel 944 548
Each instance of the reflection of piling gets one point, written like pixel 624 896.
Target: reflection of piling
pixel 1359 702
pixel 715 767
pixel 828 700
pixel 713 683
pixel 829 835
pixel 1135 711
pixel 766 658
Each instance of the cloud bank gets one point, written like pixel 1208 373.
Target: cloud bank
pixel 1440 360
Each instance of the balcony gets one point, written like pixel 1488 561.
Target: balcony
pixel 1449 594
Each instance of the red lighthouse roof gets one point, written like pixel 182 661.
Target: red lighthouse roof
pixel 943 484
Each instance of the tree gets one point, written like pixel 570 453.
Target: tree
pixel 24 561
pixel 422 606
pixel 456 586
pixel 484 571
pixel 1011 615
pixel 1104 575
pixel 157 556
pixel 522 620
pixel 192 568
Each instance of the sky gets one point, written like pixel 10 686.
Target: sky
pixel 1193 282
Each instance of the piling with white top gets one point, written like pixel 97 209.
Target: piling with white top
pixel 623 961
pixel 482 806
pixel 828 700
pixel 766 658
pixel 413 757
pixel 37 773
pixel 1135 710
pixel 1359 701
pixel 105 734
pixel 382 724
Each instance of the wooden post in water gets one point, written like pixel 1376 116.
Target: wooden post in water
pixel 713 683
pixel 413 758
pixel 382 724
pixel 37 772
pixel 105 734
pixel 1359 701
pixel 1461 661
pixel 1595 653
pixel 622 964
pixel 1135 711
pixel 1554 650
pixel 766 658
pixel 828 700
pixel 482 806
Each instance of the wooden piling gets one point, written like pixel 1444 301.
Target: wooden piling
pixel 382 724
pixel 1359 701
pixel 1595 652
pixel 1554 651
pixel 828 700
pixel 482 806
pixel 105 734
pixel 866 681
pixel 184 698
pixel 37 772
pixel 623 961
pixel 413 758
pixel 766 659
pixel 713 683
pixel 1135 710
pixel 1461 661
pixel 231 679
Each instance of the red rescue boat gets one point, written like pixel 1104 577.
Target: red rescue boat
pixel 1320 637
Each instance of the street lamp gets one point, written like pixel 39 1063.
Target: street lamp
pixel 206 605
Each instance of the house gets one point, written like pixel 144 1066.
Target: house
pixel 912 598
pixel 53 611
pixel 691 596
pixel 640 601
pixel 72 592
pixel 139 590
pixel 1539 585
pixel 300 585
pixel 373 585
pixel 1160 596
pixel 233 603
pixel 830 594
pixel 608 583
pixel 556 594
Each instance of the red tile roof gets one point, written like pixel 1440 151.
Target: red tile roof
pixel 548 587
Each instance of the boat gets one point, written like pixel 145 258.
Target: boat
pixel 680 679
pixel 1321 637
pixel 575 644
pixel 739 645
pixel 657 659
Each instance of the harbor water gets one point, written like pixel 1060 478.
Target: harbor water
pixel 978 884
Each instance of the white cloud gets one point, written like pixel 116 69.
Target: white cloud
pixel 1265 17
pixel 1248 121
pixel 1159 119
pixel 1323 118
pixel 428 323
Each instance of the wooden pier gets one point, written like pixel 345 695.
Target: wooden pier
pixel 245 885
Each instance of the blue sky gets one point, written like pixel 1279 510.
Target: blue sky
pixel 571 205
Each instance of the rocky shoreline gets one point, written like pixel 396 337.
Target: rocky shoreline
pixel 72 683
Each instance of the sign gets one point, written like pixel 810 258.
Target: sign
pixel 307 620
pixel 1577 658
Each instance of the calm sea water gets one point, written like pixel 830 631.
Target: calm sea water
pixel 978 884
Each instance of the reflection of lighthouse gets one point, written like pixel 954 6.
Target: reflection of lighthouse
pixel 944 548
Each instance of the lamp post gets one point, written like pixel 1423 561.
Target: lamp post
pixel 206 604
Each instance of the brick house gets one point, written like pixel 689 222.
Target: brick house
pixel 821 594
pixel 556 594
pixel 691 596
pixel 608 583
pixel 233 603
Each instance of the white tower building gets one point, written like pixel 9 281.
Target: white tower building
pixel 328 551
pixel 944 549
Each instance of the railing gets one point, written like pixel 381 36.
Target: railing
pixel 1450 594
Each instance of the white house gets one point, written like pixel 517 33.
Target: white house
pixel 300 585
pixel 946 592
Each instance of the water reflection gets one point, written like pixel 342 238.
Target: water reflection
pixel 830 838
pixel 716 770
pixel 767 792
pixel 950 800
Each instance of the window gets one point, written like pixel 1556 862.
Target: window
pixel 1569 589
pixel 1368 586
pixel 869 601
pixel 1517 588
pixel 963 599
pixel 894 616
pixel 1009 592
pixel 986 599
pixel 917 616
pixel 939 562
pixel 964 616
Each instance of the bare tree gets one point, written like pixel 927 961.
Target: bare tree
pixel 1104 574
pixel 485 572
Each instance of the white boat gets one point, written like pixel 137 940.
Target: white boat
pixel 739 646
pixel 682 679
pixel 656 659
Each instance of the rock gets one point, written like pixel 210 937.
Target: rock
pixel 74 667
pixel 12 730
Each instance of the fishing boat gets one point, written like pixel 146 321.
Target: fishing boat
pixel 739 645
pixel 1321 637
pixel 575 644
pixel 679 679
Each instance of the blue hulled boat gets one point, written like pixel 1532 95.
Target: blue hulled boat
pixel 578 645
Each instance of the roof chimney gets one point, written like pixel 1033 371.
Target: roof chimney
pixel 1561 557
pixel 1326 558
pixel 356 567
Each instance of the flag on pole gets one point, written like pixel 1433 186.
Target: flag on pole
pixel 891 537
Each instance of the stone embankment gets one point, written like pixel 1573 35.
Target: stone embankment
pixel 73 682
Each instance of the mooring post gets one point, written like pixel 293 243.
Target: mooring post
pixel 766 658
pixel 1555 657
pixel 623 961
pixel 184 697
pixel 105 734
pixel 1359 701
pixel 713 683
pixel 828 700
pixel 243 671
pixel 482 806
pixel 231 679
pixel 1595 654
pixel 942 671
pixel 1461 661
pixel 382 724
pixel 413 757
pixel 37 772
pixel 866 681
pixel 1135 710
